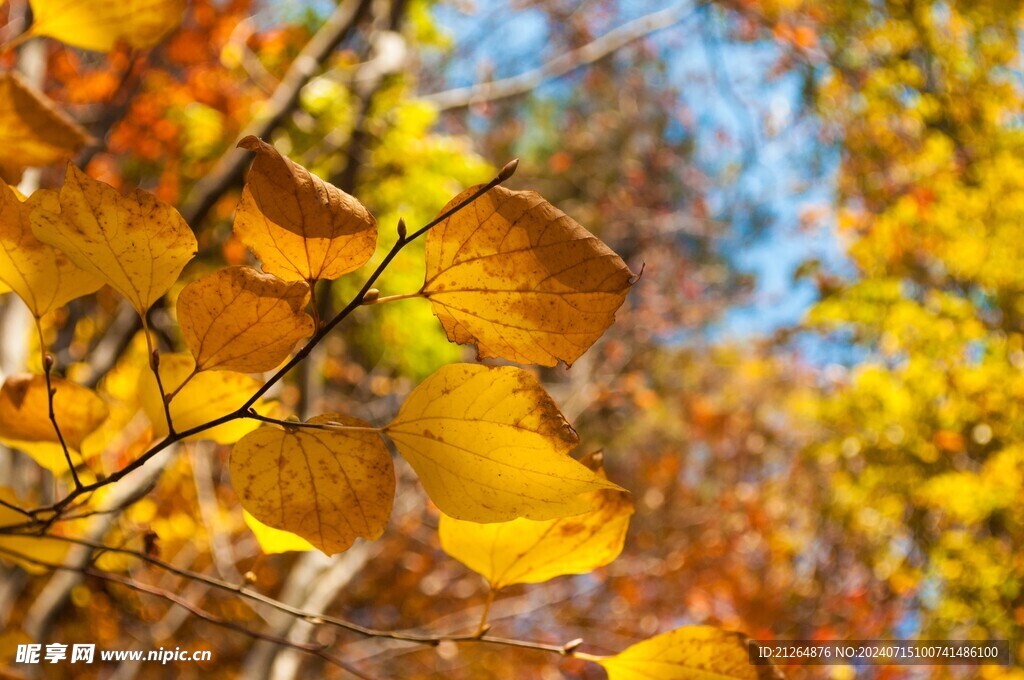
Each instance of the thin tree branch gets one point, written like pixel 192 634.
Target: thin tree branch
pixel 230 167
pixel 15 508
pixel 564 64
pixel 54 596
pixel 50 393
pixel 154 366
pixel 196 611
pixel 431 640
pixel 228 170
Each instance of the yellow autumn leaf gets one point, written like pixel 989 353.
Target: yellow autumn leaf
pixel 301 227
pixel 48 455
pixel 207 396
pixel 328 486
pixel 25 424
pixel 489 445
pixel 526 551
pixel 33 131
pixel 273 541
pixel 136 243
pixel 688 653
pixel 100 24
pixel 24 410
pixel 40 274
pixel 521 279
pixel 46 550
pixel 243 320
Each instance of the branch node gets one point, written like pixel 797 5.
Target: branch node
pixel 371 296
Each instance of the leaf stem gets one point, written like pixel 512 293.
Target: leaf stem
pixel 314 307
pixel 393 298
pixel 16 41
pixel 252 415
pixel 482 628
pixel 154 365
pixel 174 392
pixel 50 392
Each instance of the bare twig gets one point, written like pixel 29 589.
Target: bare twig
pixel 228 170
pixel 563 64
pixel 50 393
pixel 315 619
pixel 54 596
pixel 12 506
pixel 154 365
pixel 196 611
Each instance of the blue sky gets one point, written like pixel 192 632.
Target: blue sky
pixel 730 90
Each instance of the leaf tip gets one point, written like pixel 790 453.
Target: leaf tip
pixel 639 275
pixel 249 143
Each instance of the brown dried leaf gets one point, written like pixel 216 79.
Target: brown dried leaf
pixel 521 279
pixel 301 227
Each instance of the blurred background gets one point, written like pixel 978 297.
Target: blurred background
pixel 813 393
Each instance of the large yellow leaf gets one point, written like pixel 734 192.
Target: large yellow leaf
pixel 525 551
pixel 521 279
pixel 301 227
pixel 688 653
pixel 328 486
pixel 489 445
pixel 207 396
pixel 33 131
pixel 40 274
pixel 240 319
pixel 25 420
pixel 135 243
pixel 45 550
pixel 100 24
pixel 273 541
